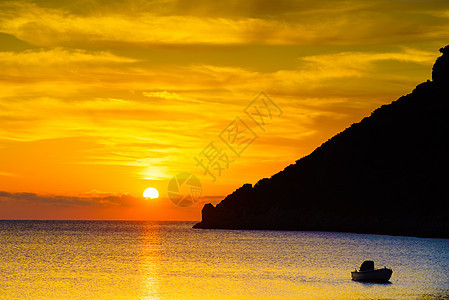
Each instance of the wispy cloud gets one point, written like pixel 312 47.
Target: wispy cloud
pixel 343 22
pixel 59 57
pixel 360 61
pixel 170 96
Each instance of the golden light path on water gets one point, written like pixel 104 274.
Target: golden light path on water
pixel 150 261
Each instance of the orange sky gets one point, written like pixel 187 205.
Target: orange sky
pixel 102 99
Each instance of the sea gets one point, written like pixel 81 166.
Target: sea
pixel 170 260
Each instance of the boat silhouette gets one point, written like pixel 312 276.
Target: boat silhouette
pixel 367 273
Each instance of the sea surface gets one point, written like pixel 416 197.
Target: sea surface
pixel 170 260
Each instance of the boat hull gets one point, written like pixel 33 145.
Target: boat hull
pixel 379 275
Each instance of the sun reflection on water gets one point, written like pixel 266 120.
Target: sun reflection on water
pixel 150 260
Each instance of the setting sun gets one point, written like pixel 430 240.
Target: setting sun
pixel 151 193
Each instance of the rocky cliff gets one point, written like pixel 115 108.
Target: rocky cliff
pixel 387 174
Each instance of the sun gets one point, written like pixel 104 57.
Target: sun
pixel 151 193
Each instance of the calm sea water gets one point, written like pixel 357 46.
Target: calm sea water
pixel 169 260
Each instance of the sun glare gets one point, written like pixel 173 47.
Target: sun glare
pixel 151 193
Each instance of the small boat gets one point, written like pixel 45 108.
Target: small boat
pixel 367 273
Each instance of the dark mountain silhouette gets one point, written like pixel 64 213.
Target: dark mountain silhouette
pixel 388 174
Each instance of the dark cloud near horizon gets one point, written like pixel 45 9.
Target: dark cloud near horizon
pixel 101 201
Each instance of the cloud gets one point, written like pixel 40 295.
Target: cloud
pixel 51 27
pixel 102 200
pixel 69 112
pixel 67 71
pixel 163 95
pixel 344 22
pixel 59 57
pixel 170 96
pixel 360 61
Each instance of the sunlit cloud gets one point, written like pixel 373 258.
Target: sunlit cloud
pixel 133 116
pixel 359 62
pixel 163 95
pixel 171 96
pixel 49 27
pixel 54 27
pixel 57 57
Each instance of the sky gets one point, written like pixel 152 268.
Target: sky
pixel 101 99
